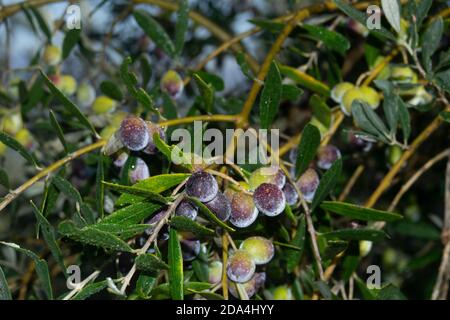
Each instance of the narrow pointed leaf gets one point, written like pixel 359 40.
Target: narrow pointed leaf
pixel 175 266
pixel 307 148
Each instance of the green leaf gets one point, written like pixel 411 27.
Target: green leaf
pixel 15 145
pixel 69 105
pixel 443 80
pixel 70 40
pixel 124 232
pixel 215 81
pixel 269 25
pixel 99 188
pixel 181 159
pixel 206 92
pixel 241 59
pixel 327 183
pixel 129 78
pixel 143 193
pixel 154 31
pixel 5 294
pixel 366 119
pixel 391 10
pixel 293 257
pixel 185 224
pixel 42 23
pixel 111 89
pixel 404 118
pixel 67 188
pixel 132 214
pixel 155 184
pixel 146 70
pixel 207 295
pixel 93 236
pixel 445 115
pixel 390 104
pixel 307 148
pixel 175 266
pixel 33 97
pixel 270 96
pixel 290 92
pixel 144 285
pixel 331 39
pixel 149 262
pixel 362 18
pixel 320 110
pixel 390 292
pixel 90 289
pixel 4 179
pixel 356 234
pixel 41 268
pixel 58 130
pixel 358 212
pixel 419 230
pixel 305 80
pixel 181 26
pixel 49 235
pixel 431 39
pixel 211 216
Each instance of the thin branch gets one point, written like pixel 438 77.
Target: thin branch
pixel 351 182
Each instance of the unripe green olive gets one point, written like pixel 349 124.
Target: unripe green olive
pixel 394 154
pixel 215 272
pixel 11 123
pixel 172 84
pixel 52 55
pixel 271 174
pixel 421 97
pixel 348 98
pixel 24 137
pixel 260 249
pixel 364 247
pixel 339 90
pixel 85 94
pixel 370 96
pixel 67 84
pixel 401 74
pixel 103 104
pixel 282 293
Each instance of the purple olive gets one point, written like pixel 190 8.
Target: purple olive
pixel 290 194
pixel 139 171
pixel 152 129
pixel 186 209
pixel 251 287
pixel 134 133
pixel 190 249
pixel 202 186
pixel 220 206
pixel 326 156
pixel 269 199
pixel 240 267
pixel 308 183
pixel 243 210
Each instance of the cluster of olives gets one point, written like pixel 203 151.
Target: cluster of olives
pixel 12 124
pixel 308 181
pixel 242 263
pixel 136 134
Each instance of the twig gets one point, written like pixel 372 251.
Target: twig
pixel 224 265
pixel 127 279
pixel 440 290
pixel 351 182
pixel 81 285
pixel 405 187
